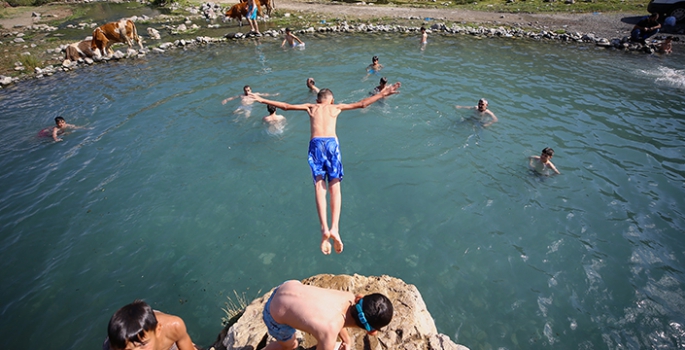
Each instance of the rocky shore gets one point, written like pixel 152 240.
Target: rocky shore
pixel 412 327
pixel 214 12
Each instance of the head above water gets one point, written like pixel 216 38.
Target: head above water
pixel 324 95
pixel 374 59
pixel 548 152
pixel 247 89
pixel 384 81
pixel 130 324
pixel 373 312
pixel 482 104
pixel 271 109
pixel 59 120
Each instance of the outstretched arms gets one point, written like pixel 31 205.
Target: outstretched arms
pixel 387 91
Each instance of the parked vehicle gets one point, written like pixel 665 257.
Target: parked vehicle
pixel 664 8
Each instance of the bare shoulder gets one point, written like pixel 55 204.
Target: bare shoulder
pixel 173 326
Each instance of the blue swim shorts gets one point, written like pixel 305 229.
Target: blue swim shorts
pixel 252 12
pixel 324 158
pixel 282 332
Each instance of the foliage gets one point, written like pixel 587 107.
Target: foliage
pixel 30 62
pixel 234 308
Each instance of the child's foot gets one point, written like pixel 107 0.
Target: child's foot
pixel 325 244
pixel 337 242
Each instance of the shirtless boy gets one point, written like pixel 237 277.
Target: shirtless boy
pixel 324 154
pixel 290 38
pixel 276 122
pixel 59 129
pixel 374 67
pixel 381 85
pixel 482 112
pixel 424 36
pixel 136 326
pixel 246 100
pixel 541 163
pixel 323 313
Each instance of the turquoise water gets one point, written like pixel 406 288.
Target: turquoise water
pixel 170 197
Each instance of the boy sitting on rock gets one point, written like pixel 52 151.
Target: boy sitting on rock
pixel 323 313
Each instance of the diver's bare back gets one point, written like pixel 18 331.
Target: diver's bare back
pixel 323 119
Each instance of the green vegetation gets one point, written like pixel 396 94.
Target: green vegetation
pixel 30 62
pixel 234 309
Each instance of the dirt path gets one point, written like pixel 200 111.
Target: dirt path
pixel 609 25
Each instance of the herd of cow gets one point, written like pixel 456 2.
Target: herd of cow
pixel 124 31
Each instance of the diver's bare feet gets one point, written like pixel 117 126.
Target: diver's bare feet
pixel 337 242
pixel 325 243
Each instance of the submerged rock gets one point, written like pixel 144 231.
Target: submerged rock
pixel 412 326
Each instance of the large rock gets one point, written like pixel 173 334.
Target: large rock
pixel 412 326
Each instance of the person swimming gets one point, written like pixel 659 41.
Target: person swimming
pixel 374 67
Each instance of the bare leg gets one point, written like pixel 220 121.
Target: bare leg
pixel 336 202
pixel 320 193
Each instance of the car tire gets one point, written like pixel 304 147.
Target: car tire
pixel 679 14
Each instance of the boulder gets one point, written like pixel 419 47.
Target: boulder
pixel 412 326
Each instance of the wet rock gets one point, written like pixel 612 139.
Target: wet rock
pixel 153 33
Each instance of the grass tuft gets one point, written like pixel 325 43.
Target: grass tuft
pixel 234 308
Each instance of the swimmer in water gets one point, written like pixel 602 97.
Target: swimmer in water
pixel 275 121
pixel 246 100
pixel 311 84
pixel 482 113
pixel 290 38
pixel 381 86
pixel 543 162
pixel 374 67
pixel 424 36
pixel 59 129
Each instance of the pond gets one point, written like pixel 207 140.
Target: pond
pixel 169 196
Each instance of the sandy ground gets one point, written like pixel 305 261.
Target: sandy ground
pixel 609 25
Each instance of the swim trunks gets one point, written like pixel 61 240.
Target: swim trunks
pixel 324 158
pixel 282 332
pixel 252 12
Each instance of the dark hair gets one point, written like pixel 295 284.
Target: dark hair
pixel 287 30
pixel 246 86
pixel 655 15
pixel 58 119
pixel 323 94
pixel 548 151
pixel 377 310
pixel 130 323
pixel 423 28
pixel 384 80
pixel 271 109
pixel 375 58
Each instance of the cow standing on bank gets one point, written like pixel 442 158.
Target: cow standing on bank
pixel 123 31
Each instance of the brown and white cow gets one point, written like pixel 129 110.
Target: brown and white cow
pixel 237 12
pixel 123 31
pixel 81 49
